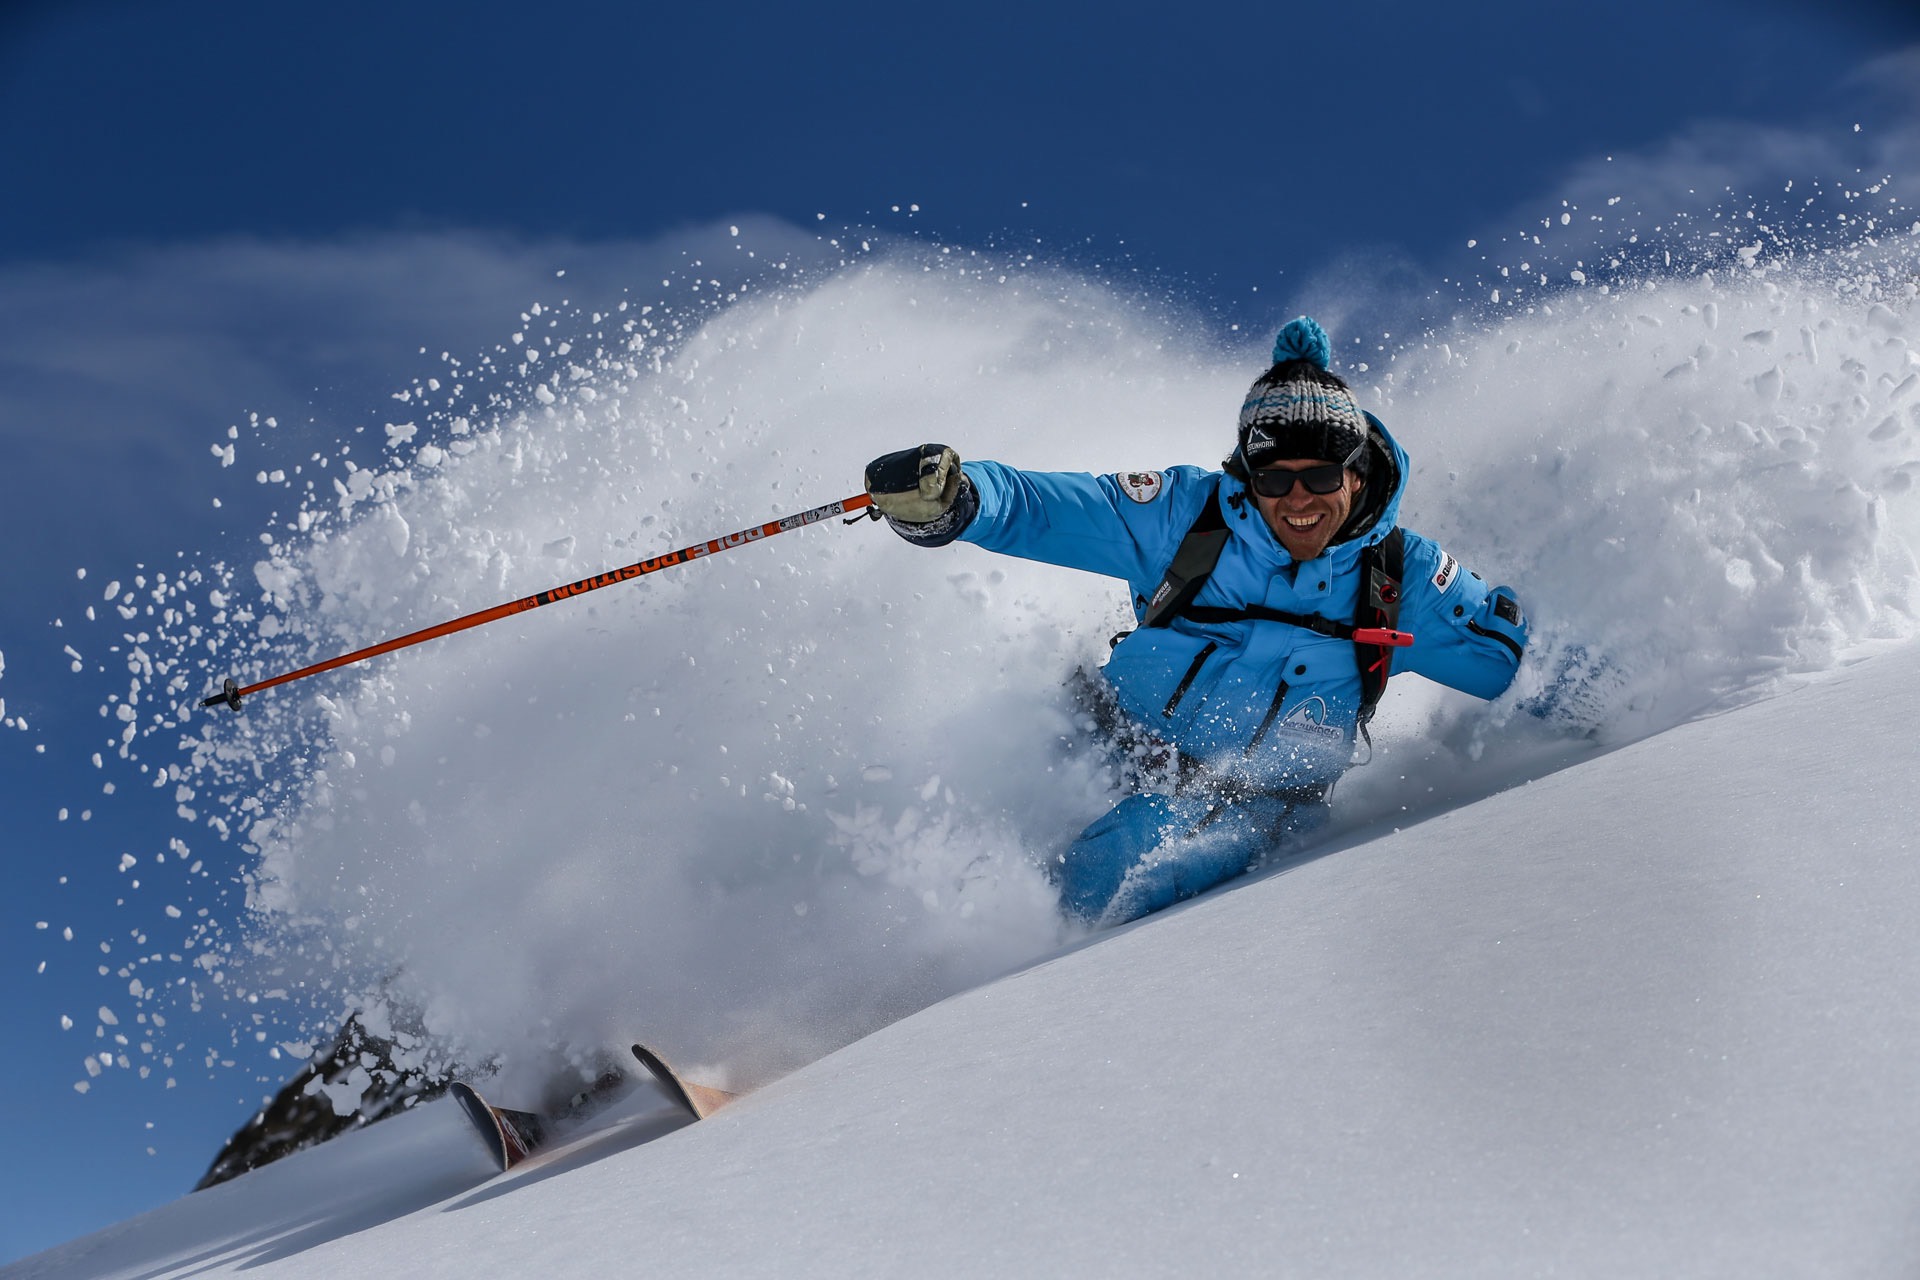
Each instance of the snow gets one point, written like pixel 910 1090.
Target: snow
pixel 1652 1014
pixel 1606 974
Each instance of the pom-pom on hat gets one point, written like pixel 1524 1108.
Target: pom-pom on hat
pixel 1298 409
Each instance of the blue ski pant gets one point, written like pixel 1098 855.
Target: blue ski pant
pixel 1151 851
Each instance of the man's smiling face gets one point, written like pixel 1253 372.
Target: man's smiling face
pixel 1303 521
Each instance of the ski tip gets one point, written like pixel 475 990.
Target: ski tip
pixel 511 1136
pixel 470 1101
pixel 480 1116
pixel 698 1099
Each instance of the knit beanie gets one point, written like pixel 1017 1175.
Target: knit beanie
pixel 1297 409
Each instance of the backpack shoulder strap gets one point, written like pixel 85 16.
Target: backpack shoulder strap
pixel 1383 564
pixel 1199 551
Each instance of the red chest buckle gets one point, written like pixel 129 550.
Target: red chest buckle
pixel 1382 636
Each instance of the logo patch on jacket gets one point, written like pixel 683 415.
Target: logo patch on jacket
pixel 1311 715
pixel 1449 570
pixel 1141 486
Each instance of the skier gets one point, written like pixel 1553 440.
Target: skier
pixel 1273 597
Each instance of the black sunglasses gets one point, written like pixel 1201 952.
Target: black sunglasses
pixel 1323 479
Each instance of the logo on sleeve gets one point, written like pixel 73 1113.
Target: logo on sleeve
pixel 1141 486
pixel 1449 570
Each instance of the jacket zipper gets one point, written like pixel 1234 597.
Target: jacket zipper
pixel 1279 696
pixel 1479 630
pixel 1193 673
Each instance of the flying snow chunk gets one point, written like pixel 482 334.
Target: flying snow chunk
pixel 276 578
pixel 399 533
pixel 345 1095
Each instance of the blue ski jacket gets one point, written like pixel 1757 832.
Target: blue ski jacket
pixel 1267 703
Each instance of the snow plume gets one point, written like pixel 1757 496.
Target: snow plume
pixel 1700 482
pixel 747 808
pixel 752 807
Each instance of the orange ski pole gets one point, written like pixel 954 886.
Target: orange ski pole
pixel 231 692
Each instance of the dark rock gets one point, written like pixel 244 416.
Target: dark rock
pixel 302 1114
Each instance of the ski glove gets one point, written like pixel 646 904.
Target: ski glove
pixel 923 493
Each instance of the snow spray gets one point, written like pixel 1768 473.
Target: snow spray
pixel 656 815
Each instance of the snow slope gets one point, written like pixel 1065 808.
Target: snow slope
pixel 1653 1014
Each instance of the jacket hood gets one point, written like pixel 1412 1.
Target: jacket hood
pixel 1376 508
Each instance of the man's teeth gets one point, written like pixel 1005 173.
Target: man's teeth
pixel 1303 522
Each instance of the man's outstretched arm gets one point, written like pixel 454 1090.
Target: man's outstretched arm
pixel 1467 634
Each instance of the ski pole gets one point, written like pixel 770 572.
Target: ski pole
pixel 231 692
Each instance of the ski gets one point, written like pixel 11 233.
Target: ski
pixel 698 1100
pixel 511 1136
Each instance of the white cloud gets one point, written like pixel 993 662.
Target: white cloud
pixel 1708 174
pixel 117 373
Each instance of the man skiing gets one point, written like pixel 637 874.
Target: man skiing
pixel 1274 596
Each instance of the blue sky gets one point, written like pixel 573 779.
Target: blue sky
pixel 214 210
